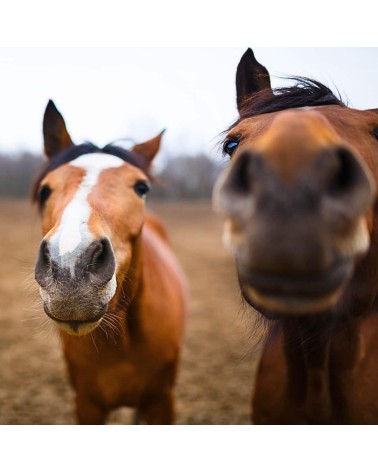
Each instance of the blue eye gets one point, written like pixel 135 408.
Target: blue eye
pixel 142 188
pixel 230 145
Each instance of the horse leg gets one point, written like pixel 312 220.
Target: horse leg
pixel 157 409
pixel 88 411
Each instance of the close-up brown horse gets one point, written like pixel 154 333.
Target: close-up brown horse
pixel 300 216
pixel 107 276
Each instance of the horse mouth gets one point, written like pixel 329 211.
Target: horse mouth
pixel 294 294
pixel 76 327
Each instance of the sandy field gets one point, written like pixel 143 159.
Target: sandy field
pixel 219 353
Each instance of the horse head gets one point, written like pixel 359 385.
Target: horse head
pixel 298 194
pixel 91 202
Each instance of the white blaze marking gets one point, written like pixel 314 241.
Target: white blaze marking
pixel 73 228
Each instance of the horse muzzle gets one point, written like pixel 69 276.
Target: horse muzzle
pixel 296 240
pixel 295 294
pixel 76 294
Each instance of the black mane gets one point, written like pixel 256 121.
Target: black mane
pixel 75 151
pixel 304 93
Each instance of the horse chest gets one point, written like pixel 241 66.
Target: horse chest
pixel 122 383
pixel 115 375
pixel 327 387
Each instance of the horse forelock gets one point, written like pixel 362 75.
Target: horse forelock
pixel 304 93
pixel 74 152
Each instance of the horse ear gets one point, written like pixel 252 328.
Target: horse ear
pixel 55 134
pixel 251 77
pixel 149 148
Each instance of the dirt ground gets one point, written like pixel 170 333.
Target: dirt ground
pixel 218 358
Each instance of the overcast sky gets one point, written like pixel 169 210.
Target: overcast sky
pixel 109 93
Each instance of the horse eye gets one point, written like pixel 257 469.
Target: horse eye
pixel 43 194
pixel 141 188
pixel 230 145
pixel 375 133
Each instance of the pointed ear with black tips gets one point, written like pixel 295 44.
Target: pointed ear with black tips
pixel 149 148
pixel 55 134
pixel 251 77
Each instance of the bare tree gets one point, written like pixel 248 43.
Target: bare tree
pixel 182 177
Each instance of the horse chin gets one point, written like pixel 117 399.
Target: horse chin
pixel 75 325
pixel 290 305
pixel 279 295
pixel 78 330
pixel 80 313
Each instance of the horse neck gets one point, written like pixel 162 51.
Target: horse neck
pixel 322 352
pixel 129 296
pixel 321 355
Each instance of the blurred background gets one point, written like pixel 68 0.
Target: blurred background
pixel 129 95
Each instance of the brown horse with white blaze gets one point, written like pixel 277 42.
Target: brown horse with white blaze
pixel 107 276
pixel 299 200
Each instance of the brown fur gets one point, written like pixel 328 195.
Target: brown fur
pixel 134 364
pixel 319 361
pixel 130 358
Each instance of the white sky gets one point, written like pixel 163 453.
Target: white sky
pixel 109 93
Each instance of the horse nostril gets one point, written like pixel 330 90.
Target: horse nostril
pixel 239 184
pixel 96 253
pixel 240 179
pixel 99 262
pixel 346 173
pixel 43 264
pixel 348 180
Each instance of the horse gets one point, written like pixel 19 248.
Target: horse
pixel 107 276
pixel 298 201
